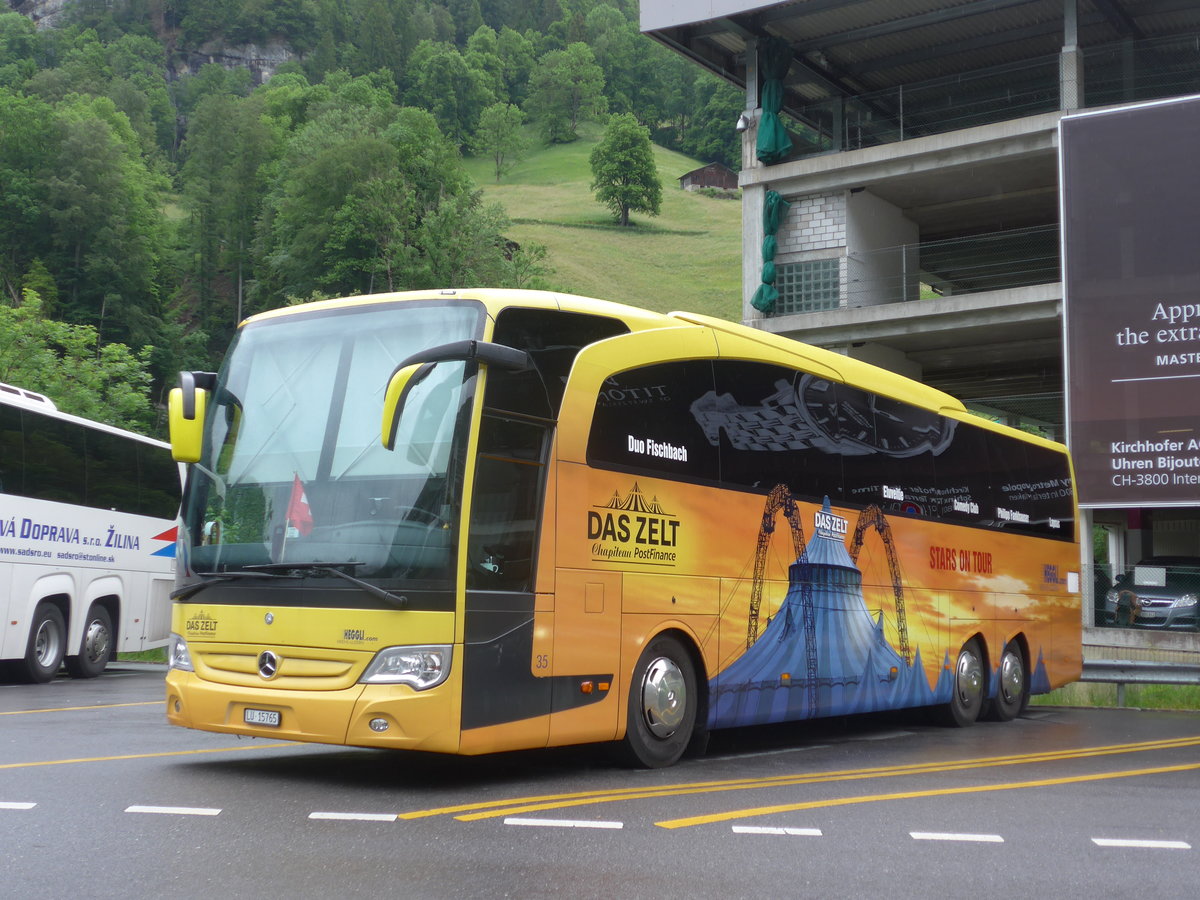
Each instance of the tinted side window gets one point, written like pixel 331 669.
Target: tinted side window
pixel 964 495
pixel 506 504
pixel 769 422
pixel 645 422
pixel 54 460
pixel 553 339
pixel 112 472
pixel 12 452
pixel 158 483
pixel 1030 489
pixel 889 450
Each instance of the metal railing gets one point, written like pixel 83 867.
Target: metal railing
pixel 1135 671
pixel 1114 73
pixel 998 260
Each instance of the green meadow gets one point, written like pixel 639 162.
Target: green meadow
pixel 689 257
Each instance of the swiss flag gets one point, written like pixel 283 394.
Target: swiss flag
pixel 298 511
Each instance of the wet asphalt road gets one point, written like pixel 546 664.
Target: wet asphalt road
pixel 99 797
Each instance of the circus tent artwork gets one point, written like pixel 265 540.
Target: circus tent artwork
pixel 856 669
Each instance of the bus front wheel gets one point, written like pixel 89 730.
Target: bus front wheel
pixel 47 643
pixel 662 705
pixel 969 689
pixel 97 647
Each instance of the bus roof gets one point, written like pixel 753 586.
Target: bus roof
pixel 40 403
pixel 852 371
pixel 494 300
pixel 28 399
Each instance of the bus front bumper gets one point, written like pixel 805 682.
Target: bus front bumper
pixel 373 715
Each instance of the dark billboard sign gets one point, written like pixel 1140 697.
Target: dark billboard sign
pixel 1130 195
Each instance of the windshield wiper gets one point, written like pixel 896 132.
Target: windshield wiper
pixel 333 568
pixel 210 578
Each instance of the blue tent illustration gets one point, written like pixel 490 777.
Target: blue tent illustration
pixel 856 669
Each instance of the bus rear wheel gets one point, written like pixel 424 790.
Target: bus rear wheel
pixel 1012 687
pixel 969 690
pixel 662 705
pixel 47 643
pixel 97 647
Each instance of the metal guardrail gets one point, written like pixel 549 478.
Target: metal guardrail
pixel 1136 671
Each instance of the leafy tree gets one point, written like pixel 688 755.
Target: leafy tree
pixel 444 84
pixel 624 177
pixel 379 45
pixel 483 55
pixel 467 18
pixel 109 382
pixel 566 88
pixel 371 197
pixel 501 137
pixel 517 59
pixel 231 146
pixel 108 237
pixel 710 137
pixel 26 129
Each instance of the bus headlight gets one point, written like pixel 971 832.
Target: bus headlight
pixel 419 667
pixel 178 656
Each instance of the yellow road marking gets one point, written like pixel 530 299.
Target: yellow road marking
pixel 911 795
pixel 29 712
pixel 519 805
pixel 93 759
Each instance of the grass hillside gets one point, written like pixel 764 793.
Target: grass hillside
pixel 689 257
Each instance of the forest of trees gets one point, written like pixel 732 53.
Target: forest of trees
pixel 147 212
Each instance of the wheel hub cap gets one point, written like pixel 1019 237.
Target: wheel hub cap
pixel 664 697
pixel 1012 678
pixel 969 682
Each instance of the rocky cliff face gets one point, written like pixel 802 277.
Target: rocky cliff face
pixel 260 59
pixel 45 13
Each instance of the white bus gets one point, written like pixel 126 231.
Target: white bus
pixel 87 540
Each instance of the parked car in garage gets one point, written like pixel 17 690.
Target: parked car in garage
pixel 1159 592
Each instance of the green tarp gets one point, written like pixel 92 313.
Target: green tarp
pixel 774 143
pixel 774 210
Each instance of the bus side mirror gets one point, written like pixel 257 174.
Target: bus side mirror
pixel 403 380
pixel 416 368
pixel 186 406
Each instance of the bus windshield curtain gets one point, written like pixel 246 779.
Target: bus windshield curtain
pixel 774 210
pixel 774 143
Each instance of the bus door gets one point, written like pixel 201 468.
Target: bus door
pixel 508 672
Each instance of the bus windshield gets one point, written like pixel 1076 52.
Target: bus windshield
pixel 293 475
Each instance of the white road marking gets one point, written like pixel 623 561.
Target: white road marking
pixel 946 836
pixel 11 805
pixel 1155 845
pixel 174 810
pixel 562 823
pixel 764 829
pixel 354 817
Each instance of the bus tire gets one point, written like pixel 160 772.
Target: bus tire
pixel 662 705
pixel 47 643
pixel 97 646
pixel 968 693
pixel 1012 685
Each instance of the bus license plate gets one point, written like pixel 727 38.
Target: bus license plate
pixel 262 717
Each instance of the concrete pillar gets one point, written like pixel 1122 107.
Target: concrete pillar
pixel 879 266
pixel 1070 67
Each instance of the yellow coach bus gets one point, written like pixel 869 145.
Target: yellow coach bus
pixel 481 520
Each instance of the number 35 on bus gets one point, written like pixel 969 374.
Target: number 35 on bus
pixel 474 521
